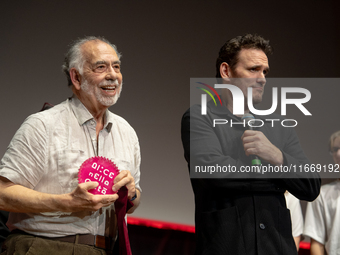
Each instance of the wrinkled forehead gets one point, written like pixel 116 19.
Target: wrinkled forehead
pixel 252 56
pixel 96 50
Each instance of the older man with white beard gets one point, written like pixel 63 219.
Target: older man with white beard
pixel 50 212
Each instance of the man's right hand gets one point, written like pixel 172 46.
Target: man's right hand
pixel 17 198
pixel 256 143
pixel 80 199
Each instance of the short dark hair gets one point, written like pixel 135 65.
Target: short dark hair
pixel 230 50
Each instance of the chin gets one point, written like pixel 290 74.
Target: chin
pixel 257 100
pixel 109 101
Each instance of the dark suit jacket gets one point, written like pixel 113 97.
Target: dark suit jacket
pixel 4 232
pixel 242 213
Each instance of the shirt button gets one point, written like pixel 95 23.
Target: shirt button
pixel 262 226
pixel 92 122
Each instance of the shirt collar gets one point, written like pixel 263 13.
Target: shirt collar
pixel 83 115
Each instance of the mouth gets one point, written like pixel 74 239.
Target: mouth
pixel 258 87
pixel 109 90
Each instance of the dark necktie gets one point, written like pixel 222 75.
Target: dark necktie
pixel 122 205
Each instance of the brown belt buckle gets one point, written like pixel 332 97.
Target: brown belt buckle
pixel 101 242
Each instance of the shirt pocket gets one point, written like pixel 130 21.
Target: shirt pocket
pixel 122 164
pixel 69 162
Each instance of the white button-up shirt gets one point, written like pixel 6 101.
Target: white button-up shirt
pixel 323 218
pixel 45 155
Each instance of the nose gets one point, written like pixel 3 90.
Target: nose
pixel 261 79
pixel 338 153
pixel 111 74
pixel 336 157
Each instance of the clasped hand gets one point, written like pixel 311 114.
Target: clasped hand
pixel 256 143
pixel 81 199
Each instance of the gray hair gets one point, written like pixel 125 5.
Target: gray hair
pixel 74 57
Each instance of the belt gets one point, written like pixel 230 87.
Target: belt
pixel 87 239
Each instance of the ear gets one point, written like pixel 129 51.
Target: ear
pixel 75 78
pixel 225 70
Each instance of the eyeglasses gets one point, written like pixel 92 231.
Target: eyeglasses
pixel 334 150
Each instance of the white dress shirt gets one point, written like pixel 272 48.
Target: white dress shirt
pixel 45 155
pixel 323 218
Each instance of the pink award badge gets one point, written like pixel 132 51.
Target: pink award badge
pixel 101 170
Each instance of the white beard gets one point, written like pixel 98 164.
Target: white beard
pixel 91 89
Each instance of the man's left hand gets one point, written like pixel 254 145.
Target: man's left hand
pixel 124 178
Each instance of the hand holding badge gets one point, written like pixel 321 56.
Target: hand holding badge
pixel 104 171
pixel 101 170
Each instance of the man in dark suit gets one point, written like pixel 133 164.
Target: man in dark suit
pixel 243 213
pixel 3 228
